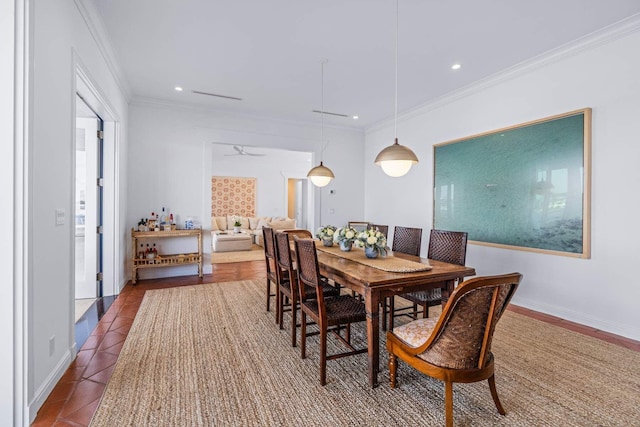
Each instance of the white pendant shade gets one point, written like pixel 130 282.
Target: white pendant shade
pixel 321 175
pixel 396 159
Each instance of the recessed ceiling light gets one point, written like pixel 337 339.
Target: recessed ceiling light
pixel 178 89
pixel 355 117
pixel 456 66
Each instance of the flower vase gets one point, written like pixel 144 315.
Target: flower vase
pixel 327 241
pixel 370 252
pixel 345 245
pixel 236 229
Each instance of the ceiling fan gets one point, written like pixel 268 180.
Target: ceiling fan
pixel 241 152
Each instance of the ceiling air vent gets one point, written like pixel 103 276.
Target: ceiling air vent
pixel 331 114
pixel 216 95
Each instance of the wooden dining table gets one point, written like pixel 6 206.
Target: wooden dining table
pixel 375 285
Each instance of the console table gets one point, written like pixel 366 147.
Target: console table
pixel 164 260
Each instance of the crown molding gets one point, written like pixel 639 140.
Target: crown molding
pixel 96 27
pixel 163 103
pixel 588 42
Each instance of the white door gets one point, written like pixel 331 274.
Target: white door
pixel 87 203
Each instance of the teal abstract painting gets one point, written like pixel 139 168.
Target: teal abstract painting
pixel 525 186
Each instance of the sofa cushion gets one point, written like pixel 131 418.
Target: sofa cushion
pixel 220 223
pixel 262 223
pixel 254 222
pixel 283 224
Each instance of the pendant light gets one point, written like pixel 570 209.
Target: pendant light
pixel 321 175
pixel 396 159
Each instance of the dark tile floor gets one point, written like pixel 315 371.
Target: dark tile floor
pixel 76 396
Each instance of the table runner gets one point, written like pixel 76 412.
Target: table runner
pixel 387 263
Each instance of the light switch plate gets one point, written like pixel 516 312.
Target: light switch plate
pixel 59 216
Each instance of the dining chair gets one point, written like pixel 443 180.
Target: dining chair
pixel 330 314
pixel 384 229
pixel 270 260
pixel 358 225
pixel 456 347
pixel 287 286
pixel 406 240
pixel 446 246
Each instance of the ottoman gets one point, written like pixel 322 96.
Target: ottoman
pixel 228 241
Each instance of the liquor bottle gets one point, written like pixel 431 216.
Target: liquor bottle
pixel 155 251
pixel 163 217
pixel 171 219
pixel 141 253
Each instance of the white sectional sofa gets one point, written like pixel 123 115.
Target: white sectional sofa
pixel 252 225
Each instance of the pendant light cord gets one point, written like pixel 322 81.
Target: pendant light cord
pixel 322 107
pixel 396 96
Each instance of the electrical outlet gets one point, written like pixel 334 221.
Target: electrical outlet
pixel 52 345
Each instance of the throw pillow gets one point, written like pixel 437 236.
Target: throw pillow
pixel 283 224
pixel 221 222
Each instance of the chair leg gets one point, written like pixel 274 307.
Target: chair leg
pixel 303 334
pixel 448 403
pixel 279 304
pixel 494 394
pixel 323 354
pixel 425 310
pixel 294 315
pixel 392 307
pixel 347 333
pixel 393 366
pixel 384 313
pixel 268 293
pixel 415 311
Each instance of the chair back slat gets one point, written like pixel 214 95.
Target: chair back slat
pixel 283 251
pixel 308 268
pixel 462 339
pixel 448 246
pixel 269 249
pixel 407 240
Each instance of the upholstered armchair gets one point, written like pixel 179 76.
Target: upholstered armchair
pixel 456 347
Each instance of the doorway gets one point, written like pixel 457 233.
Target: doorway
pixel 88 207
pixel 297 201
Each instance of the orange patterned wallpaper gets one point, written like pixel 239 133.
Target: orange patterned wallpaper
pixel 232 195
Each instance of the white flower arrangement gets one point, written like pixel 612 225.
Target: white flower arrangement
pixel 347 235
pixel 326 232
pixel 237 221
pixel 372 239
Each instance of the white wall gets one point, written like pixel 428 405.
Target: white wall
pixel 61 39
pixel 602 74
pixel 170 164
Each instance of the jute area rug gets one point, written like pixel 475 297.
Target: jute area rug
pixel 210 355
pixel 255 254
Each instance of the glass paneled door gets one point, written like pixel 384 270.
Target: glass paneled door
pixel 88 203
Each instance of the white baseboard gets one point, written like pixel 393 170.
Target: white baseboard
pixel 624 330
pixel 47 386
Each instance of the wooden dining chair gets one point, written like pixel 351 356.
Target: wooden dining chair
pixel 446 246
pixel 359 225
pixel 270 260
pixel 330 314
pixel 287 286
pixel 406 240
pixel 456 347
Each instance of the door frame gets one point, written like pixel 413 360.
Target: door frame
pixel 92 95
